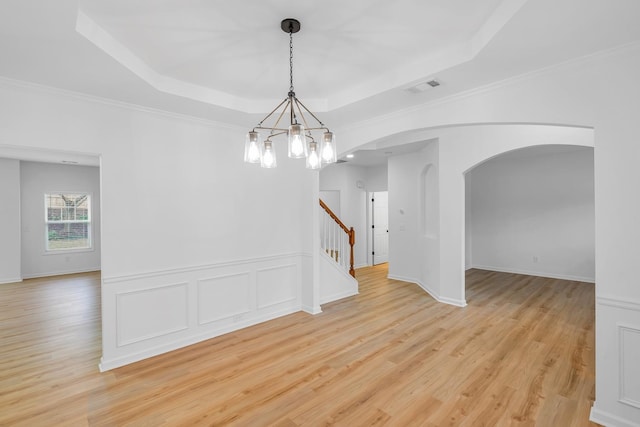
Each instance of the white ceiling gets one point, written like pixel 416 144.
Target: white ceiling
pixel 227 60
pixel 236 51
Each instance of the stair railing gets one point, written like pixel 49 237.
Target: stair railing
pixel 334 238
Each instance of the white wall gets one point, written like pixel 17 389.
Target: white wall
pixel 332 199
pixel 532 212
pixel 38 179
pixel 10 221
pixel 572 93
pixel 376 178
pixel 414 217
pixel 195 242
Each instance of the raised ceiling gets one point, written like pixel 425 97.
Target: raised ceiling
pixel 235 54
pixel 227 60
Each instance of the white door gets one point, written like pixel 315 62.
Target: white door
pixel 380 227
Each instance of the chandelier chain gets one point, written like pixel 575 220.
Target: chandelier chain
pixel 290 60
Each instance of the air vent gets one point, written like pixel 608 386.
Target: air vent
pixel 421 87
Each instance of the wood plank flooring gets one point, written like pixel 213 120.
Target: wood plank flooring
pixel 520 354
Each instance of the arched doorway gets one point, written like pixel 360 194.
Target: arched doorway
pixel 531 211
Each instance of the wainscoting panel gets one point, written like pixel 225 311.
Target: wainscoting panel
pixel 137 323
pixel 146 314
pixel 224 297
pixel 629 338
pixel 277 285
pixel 617 368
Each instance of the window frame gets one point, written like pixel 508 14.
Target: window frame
pixel 88 221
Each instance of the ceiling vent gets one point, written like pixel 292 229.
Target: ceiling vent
pixel 421 87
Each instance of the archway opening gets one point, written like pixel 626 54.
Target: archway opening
pixel 531 212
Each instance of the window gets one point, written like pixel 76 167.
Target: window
pixel 68 218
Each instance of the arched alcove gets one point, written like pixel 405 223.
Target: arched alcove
pixel 429 201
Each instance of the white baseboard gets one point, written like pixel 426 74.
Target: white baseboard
pixel 312 310
pixel 341 295
pixel 11 280
pixel 106 365
pixel 534 273
pixel 60 273
pixel 610 420
pixel 430 291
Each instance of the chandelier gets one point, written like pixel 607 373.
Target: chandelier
pixel 300 135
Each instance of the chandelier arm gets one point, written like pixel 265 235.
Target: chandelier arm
pixel 273 111
pixel 304 119
pixel 272 134
pixel 312 115
pixel 284 110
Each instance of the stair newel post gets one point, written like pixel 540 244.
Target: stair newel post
pixel 352 241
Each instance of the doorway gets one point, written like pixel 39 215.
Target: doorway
pixel 531 211
pixel 379 209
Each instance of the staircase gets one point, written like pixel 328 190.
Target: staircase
pixel 337 275
pixel 336 239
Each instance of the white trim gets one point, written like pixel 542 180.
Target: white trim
pixel 114 103
pixel 312 310
pixel 180 270
pixel 10 280
pixel 61 273
pixel 108 364
pixel 607 419
pixel 616 302
pixel 338 296
pixel 535 273
pixel 427 289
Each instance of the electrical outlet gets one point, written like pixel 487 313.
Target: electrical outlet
pixel 535 258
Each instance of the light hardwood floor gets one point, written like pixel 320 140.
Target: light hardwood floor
pixel 520 354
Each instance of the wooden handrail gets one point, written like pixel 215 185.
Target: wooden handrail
pixel 350 232
pixel 334 216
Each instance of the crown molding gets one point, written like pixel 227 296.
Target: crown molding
pixel 51 90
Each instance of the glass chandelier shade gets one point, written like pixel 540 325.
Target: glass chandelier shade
pixel 252 148
pixel 318 150
pixel 313 159
pixel 297 142
pixel 328 152
pixel 268 155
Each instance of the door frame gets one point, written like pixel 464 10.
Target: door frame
pixel 369 229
